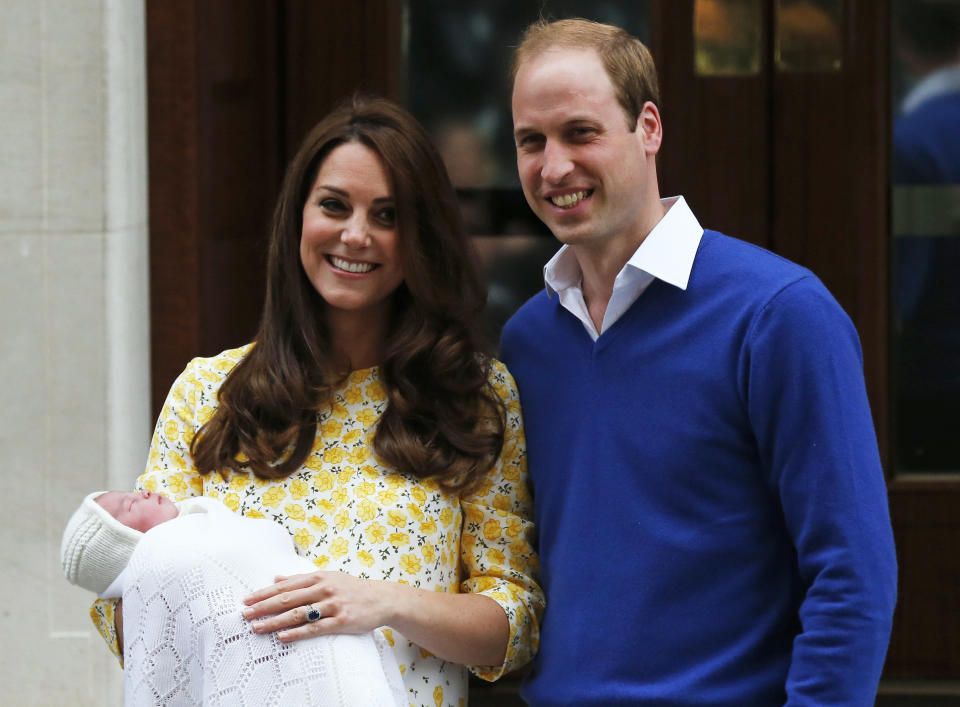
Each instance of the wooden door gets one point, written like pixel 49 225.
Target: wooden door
pixel 794 160
pixel 799 161
pixel 233 86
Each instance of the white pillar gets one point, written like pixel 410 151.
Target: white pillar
pixel 74 320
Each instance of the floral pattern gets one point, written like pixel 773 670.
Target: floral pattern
pixel 346 511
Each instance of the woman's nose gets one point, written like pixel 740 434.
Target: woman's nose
pixel 355 233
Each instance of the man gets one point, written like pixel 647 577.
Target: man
pixel 711 508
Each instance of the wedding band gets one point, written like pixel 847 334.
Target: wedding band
pixel 313 613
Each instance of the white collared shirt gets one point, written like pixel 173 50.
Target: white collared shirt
pixel 666 254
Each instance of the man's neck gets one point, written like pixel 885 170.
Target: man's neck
pixel 599 272
pixel 601 263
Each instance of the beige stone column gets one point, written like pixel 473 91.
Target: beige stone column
pixel 74 320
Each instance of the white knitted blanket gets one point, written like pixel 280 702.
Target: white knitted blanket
pixel 187 644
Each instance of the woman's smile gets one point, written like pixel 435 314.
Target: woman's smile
pixel 349 242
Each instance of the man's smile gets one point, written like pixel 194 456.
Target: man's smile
pixel 568 201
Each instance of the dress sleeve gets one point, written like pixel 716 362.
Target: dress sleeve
pixel 807 402
pixel 497 552
pixel 170 469
pixel 102 613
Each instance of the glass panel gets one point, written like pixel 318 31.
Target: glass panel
pixel 726 36
pixel 809 35
pixel 925 253
pixel 513 268
pixel 457 59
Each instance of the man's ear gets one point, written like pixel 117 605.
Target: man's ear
pixel 649 129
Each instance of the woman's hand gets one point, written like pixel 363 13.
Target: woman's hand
pixel 463 628
pixel 347 605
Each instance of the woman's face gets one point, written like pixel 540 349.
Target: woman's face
pixel 348 245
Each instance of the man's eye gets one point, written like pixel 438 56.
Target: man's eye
pixel 530 141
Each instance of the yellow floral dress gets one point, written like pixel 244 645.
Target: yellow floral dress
pixel 346 511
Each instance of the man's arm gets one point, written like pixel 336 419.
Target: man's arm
pixel 809 410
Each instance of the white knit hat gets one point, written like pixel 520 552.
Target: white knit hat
pixel 95 546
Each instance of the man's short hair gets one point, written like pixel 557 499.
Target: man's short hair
pixel 626 59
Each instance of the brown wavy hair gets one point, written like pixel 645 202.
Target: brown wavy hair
pixel 443 419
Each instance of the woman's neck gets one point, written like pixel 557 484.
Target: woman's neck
pixel 357 338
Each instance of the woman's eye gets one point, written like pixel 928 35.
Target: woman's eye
pixel 387 216
pixel 332 205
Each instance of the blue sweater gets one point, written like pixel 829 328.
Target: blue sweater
pixel 711 509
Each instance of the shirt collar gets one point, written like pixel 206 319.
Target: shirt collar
pixel 667 252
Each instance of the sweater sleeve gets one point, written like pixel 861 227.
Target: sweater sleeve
pixel 170 470
pixel 809 411
pixel 497 544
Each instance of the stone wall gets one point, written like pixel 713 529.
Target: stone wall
pixel 74 318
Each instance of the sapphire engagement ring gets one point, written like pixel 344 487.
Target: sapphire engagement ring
pixel 313 613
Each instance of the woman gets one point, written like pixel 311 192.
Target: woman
pixel 365 419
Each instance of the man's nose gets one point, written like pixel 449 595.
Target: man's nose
pixel 557 164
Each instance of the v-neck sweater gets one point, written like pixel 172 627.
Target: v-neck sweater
pixel 710 505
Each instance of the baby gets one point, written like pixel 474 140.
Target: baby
pixel 182 569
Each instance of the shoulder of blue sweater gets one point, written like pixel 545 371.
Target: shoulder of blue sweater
pixel 753 274
pixel 756 269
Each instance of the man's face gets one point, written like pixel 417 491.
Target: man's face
pixel 584 172
pixel 140 511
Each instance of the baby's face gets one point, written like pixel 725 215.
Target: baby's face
pixel 140 511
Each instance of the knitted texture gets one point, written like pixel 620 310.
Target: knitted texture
pixel 95 546
pixel 710 505
pixel 187 643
